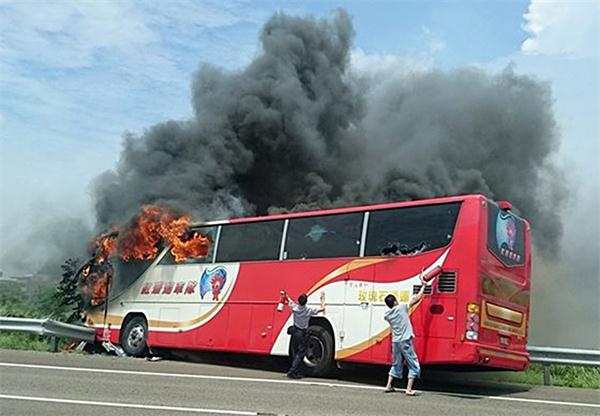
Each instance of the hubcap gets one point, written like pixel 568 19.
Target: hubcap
pixel 314 352
pixel 136 336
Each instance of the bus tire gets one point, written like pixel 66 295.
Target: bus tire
pixel 319 352
pixel 134 336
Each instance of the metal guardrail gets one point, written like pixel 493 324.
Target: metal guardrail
pixel 566 356
pixel 48 327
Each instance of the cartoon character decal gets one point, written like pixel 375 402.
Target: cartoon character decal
pixel 506 236
pixel 213 281
pixel 506 231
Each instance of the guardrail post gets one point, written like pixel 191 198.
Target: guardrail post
pixel 53 344
pixel 547 378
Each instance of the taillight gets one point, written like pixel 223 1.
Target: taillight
pixel 472 327
pixel 473 308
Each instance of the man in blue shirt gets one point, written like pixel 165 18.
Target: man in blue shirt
pixel 402 340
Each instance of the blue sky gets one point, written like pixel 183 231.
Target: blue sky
pixel 75 75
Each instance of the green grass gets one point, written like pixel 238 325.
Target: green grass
pixel 22 341
pixel 561 375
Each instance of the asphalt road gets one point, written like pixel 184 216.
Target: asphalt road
pixel 33 383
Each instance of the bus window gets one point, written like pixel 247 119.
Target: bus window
pixel 506 236
pixel 125 273
pixel 325 236
pixel 211 233
pixel 411 230
pixel 250 241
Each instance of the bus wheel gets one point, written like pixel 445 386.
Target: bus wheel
pixel 134 335
pixel 319 352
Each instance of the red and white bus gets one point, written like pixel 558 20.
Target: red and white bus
pixel 475 311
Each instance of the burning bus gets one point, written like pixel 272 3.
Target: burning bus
pixel 216 285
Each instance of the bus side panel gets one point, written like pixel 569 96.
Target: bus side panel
pixel 261 329
pixel 238 329
pixel 168 313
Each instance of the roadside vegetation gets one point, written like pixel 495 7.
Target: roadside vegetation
pixel 561 375
pixel 39 299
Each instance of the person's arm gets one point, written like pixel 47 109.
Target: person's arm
pixel 315 311
pixel 322 298
pixel 417 298
pixel 291 303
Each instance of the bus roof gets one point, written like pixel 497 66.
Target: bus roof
pixel 342 210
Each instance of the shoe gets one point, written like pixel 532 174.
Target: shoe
pixel 294 376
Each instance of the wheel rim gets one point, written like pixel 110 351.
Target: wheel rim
pixel 136 336
pixel 315 352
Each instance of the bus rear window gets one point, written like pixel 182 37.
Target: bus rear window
pixel 506 236
pixel 410 230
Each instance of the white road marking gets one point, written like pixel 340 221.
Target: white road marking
pixel 276 381
pixel 129 405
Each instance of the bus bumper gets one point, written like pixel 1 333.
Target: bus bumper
pixel 502 358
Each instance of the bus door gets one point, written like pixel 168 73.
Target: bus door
pixel 356 320
pixel 261 313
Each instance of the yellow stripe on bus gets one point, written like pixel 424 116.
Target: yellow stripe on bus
pixel 361 346
pixel 346 268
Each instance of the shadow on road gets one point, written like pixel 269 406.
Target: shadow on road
pixel 434 379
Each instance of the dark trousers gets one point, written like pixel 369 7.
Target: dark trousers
pixel 299 344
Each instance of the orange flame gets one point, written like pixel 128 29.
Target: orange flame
pixel 140 239
pixel 104 247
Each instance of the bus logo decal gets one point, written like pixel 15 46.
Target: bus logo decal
pixel 506 236
pixel 506 231
pixel 213 281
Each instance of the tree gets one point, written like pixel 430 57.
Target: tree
pixel 67 301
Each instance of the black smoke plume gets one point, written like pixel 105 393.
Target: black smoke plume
pixel 297 128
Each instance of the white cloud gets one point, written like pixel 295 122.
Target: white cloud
pixel 562 28
pixel 433 40
pixel 383 66
pixel 68 35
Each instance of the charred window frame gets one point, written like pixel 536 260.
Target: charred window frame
pixel 211 232
pixel 125 273
pixel 325 236
pixel 410 230
pixel 251 241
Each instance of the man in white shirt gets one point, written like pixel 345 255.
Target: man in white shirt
pixel 402 340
